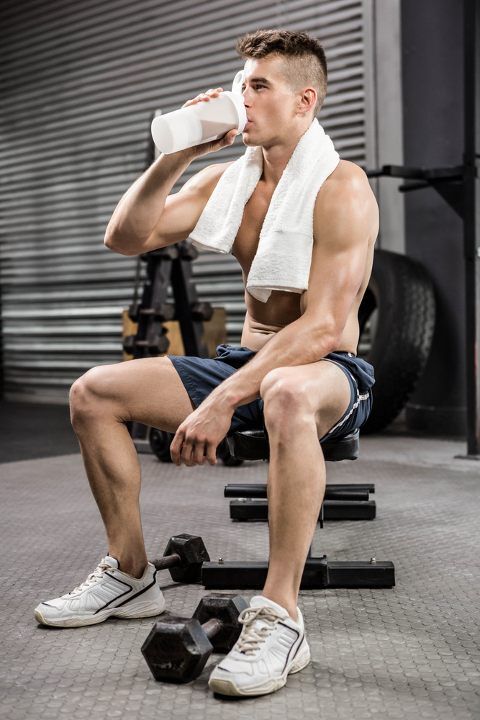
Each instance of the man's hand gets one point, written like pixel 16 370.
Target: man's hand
pixel 198 437
pixel 228 139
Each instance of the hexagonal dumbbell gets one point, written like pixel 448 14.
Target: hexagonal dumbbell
pixel 183 557
pixel 177 649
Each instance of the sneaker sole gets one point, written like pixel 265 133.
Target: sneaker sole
pixel 228 687
pixel 139 610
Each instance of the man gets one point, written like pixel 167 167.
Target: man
pixel 302 379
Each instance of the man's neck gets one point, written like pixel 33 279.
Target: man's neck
pixel 276 157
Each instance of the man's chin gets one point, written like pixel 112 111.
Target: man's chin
pixel 248 139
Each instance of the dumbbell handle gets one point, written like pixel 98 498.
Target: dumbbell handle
pixel 212 627
pixel 167 561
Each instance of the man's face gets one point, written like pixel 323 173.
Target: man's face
pixel 270 103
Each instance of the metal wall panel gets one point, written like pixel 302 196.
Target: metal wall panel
pixel 79 84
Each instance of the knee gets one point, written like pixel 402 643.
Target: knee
pixel 87 394
pixel 285 400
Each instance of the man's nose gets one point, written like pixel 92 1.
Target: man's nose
pixel 246 96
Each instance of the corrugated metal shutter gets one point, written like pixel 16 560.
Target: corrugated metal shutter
pixel 78 87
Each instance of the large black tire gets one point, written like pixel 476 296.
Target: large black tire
pixel 160 441
pixel 397 322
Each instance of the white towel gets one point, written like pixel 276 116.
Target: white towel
pixel 284 254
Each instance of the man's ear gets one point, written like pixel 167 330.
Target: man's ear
pixel 308 100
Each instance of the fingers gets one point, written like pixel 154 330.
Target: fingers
pixel 191 453
pixel 198 455
pixel 183 453
pixel 204 97
pixel 175 447
pixel 212 454
pixel 230 136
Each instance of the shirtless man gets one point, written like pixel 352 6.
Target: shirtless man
pixel 302 378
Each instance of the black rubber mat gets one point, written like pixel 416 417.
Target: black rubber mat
pixel 405 653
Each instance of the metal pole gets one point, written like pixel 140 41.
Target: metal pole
pixel 472 221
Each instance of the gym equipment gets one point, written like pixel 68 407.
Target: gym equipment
pixel 340 491
pixel 177 649
pixel 183 557
pixel 164 267
pixel 397 320
pixel 257 509
pixel 341 502
pixel 160 441
pixel 459 186
pixel 319 572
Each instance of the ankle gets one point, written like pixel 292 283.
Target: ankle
pixel 136 573
pixel 134 568
pixel 287 603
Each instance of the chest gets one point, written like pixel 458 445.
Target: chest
pixel 281 307
pixel 246 241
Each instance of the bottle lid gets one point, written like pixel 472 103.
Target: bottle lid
pixel 238 82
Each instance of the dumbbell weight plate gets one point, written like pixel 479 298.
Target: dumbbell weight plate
pixel 226 608
pixel 177 649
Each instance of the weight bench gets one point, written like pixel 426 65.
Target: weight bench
pixel 341 501
pixel 319 572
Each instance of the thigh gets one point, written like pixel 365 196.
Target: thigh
pixel 146 390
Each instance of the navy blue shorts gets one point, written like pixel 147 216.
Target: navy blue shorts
pixel 202 375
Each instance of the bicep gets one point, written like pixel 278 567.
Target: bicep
pixel 182 209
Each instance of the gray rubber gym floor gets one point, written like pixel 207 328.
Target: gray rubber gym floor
pixel 409 652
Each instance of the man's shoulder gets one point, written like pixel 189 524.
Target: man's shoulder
pixel 348 183
pixel 347 176
pixel 345 198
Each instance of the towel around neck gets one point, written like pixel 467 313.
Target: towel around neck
pixel 283 257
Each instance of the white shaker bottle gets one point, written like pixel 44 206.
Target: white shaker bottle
pixel 201 122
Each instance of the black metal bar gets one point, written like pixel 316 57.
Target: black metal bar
pixel 257 509
pixel 333 491
pixel 318 573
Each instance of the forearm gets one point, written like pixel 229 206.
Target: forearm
pixel 295 344
pixel 141 207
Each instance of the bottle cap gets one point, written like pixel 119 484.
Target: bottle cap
pixel 238 82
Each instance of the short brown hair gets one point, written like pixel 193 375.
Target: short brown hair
pixel 305 64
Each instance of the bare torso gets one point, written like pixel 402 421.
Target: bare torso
pixel 262 320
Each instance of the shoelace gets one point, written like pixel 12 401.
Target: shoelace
pixel 251 637
pixel 92 578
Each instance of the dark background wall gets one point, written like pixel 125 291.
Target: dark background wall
pixel 432 71
pixel 79 83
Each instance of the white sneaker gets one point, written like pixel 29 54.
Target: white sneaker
pixel 270 647
pixel 105 593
